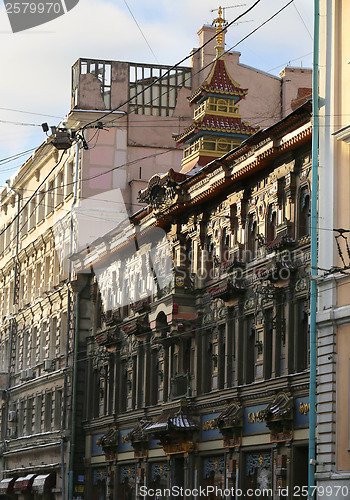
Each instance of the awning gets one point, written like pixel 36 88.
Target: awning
pixel 24 483
pixel 173 419
pixel 231 417
pixel 44 483
pixel 109 439
pixel 6 485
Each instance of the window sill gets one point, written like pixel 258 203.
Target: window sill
pixel 40 222
pixel 59 205
pixel 48 215
pixel 69 196
pixel 31 230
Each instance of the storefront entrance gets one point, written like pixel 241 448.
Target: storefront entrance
pixel 159 479
pixel 300 469
pixel 127 482
pixel 214 474
pixel 177 473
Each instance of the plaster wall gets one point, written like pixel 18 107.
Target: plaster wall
pixel 263 104
pixel 333 293
pixel 343 346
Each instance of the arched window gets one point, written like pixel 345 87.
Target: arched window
pixel 304 213
pixel 234 224
pixel 252 238
pixel 225 246
pixel 271 224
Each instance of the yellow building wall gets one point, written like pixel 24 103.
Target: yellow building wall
pixel 342 107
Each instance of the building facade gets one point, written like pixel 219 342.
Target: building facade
pixel 333 461
pixel 79 185
pixel 198 353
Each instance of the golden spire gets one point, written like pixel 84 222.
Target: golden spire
pixel 220 24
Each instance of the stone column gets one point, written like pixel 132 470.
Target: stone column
pixel 166 373
pixel 239 332
pixel 228 351
pixel 147 373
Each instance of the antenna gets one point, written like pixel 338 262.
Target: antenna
pixel 230 7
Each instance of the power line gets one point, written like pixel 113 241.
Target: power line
pixel 30 113
pixel 302 20
pixel 139 27
pixel 292 60
pixel 37 189
pixel 200 70
pixel 143 90
pixel 174 66
pixel 168 71
pixel 16 156
pixel 21 123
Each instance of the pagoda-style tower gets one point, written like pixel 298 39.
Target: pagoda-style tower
pixel 217 126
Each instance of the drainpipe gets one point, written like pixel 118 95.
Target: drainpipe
pixel 313 298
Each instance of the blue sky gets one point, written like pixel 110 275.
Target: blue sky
pixel 38 62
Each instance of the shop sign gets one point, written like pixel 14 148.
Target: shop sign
pixel 253 420
pixel 209 430
pixel 301 412
pixel 124 443
pixel 95 448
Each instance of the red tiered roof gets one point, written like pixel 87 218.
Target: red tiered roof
pixel 219 82
pixel 216 123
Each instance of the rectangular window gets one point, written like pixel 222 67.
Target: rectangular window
pixel 53 335
pixel 59 187
pixel 41 205
pixel 38 412
pixel 48 412
pixel 24 221
pixel 50 197
pixel 32 214
pixel 69 188
pixel 21 421
pixel 43 340
pixel 7 238
pixel 47 273
pixel 63 336
pixel 17 354
pixel 259 353
pixel 34 344
pixel 38 289
pixel 28 299
pixel 29 416
pixel 2 235
pixel 58 409
pixel 25 360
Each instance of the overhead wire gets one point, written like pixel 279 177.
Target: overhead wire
pixel 168 71
pixel 142 33
pixel 36 190
pixel 30 113
pixel 302 20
